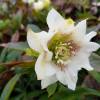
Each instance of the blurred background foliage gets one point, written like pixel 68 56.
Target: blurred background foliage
pixel 17 77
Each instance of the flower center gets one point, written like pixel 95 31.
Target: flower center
pixel 63 48
pixel 62 52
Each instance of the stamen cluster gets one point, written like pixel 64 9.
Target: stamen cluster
pixel 64 51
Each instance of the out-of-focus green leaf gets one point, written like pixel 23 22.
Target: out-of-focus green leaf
pixel 85 3
pixel 34 27
pixel 85 15
pixel 3 54
pixel 96 75
pixel 16 20
pixel 34 94
pixel 9 87
pixel 51 89
pixel 13 55
pixel 78 94
pixel 4 24
pixel 18 46
pixel 3 8
pixel 25 68
pixel 18 97
pixel 44 97
pixel 9 54
pixel 2 68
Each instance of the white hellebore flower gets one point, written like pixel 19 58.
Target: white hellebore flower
pixel 40 4
pixel 64 50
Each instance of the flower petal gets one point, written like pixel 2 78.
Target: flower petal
pixel 81 60
pixel 79 31
pixel 87 65
pixel 81 27
pixel 37 41
pixel 91 46
pixel 71 78
pixel 90 35
pixel 61 76
pixel 56 22
pixel 67 77
pixel 33 40
pixel 48 81
pixel 43 67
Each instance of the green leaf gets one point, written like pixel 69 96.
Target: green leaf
pixel 16 20
pixel 18 46
pixel 2 68
pixel 34 94
pixel 34 27
pixel 3 54
pixel 96 75
pixel 85 15
pixel 12 52
pixel 78 94
pixel 13 55
pixel 51 89
pixel 9 87
pixel 4 24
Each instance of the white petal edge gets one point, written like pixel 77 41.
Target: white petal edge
pixel 81 60
pixel 37 41
pixel 81 27
pixel 48 81
pixel 67 77
pixel 90 35
pixel 33 40
pixel 43 67
pixel 91 46
pixel 61 76
pixel 71 78
pixel 55 21
pixel 79 32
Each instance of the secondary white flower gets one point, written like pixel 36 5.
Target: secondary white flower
pixel 39 4
pixel 64 50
